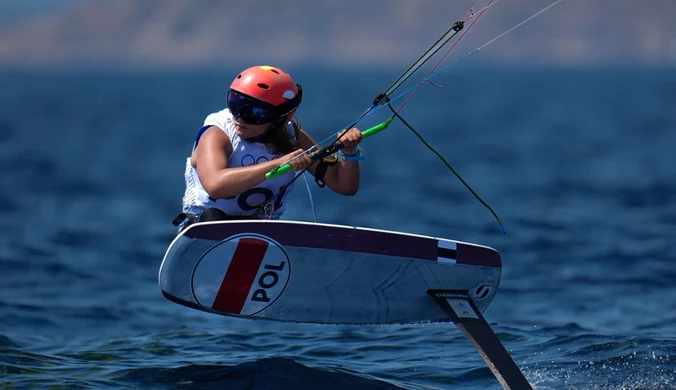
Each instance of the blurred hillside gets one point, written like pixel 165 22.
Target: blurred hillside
pixel 343 33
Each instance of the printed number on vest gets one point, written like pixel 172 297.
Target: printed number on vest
pixel 243 200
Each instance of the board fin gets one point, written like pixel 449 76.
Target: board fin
pixel 466 316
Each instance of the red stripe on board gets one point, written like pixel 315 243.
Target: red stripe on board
pixel 240 275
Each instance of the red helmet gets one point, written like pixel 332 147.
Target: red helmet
pixel 270 85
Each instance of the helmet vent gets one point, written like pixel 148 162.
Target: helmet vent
pixel 274 70
pixel 239 76
pixel 264 86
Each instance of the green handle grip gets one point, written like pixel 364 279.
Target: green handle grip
pixel 365 134
pixel 279 171
pixel 375 129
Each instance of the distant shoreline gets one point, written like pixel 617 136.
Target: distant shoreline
pixel 176 34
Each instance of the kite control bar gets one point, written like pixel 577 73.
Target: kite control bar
pixel 318 155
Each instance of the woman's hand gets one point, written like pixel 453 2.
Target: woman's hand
pixel 350 138
pixel 299 163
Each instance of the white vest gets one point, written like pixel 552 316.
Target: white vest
pixel 244 154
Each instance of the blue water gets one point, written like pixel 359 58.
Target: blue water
pixel 579 165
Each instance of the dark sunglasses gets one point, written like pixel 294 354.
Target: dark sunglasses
pixel 258 112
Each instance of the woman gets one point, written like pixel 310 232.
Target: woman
pixel 236 147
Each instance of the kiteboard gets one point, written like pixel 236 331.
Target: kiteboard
pixel 322 273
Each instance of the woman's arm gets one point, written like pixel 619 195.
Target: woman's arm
pixel 210 158
pixel 344 176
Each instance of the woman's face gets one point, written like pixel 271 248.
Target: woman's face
pixel 246 131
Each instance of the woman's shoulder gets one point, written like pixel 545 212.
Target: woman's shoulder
pixel 214 134
pixel 211 137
